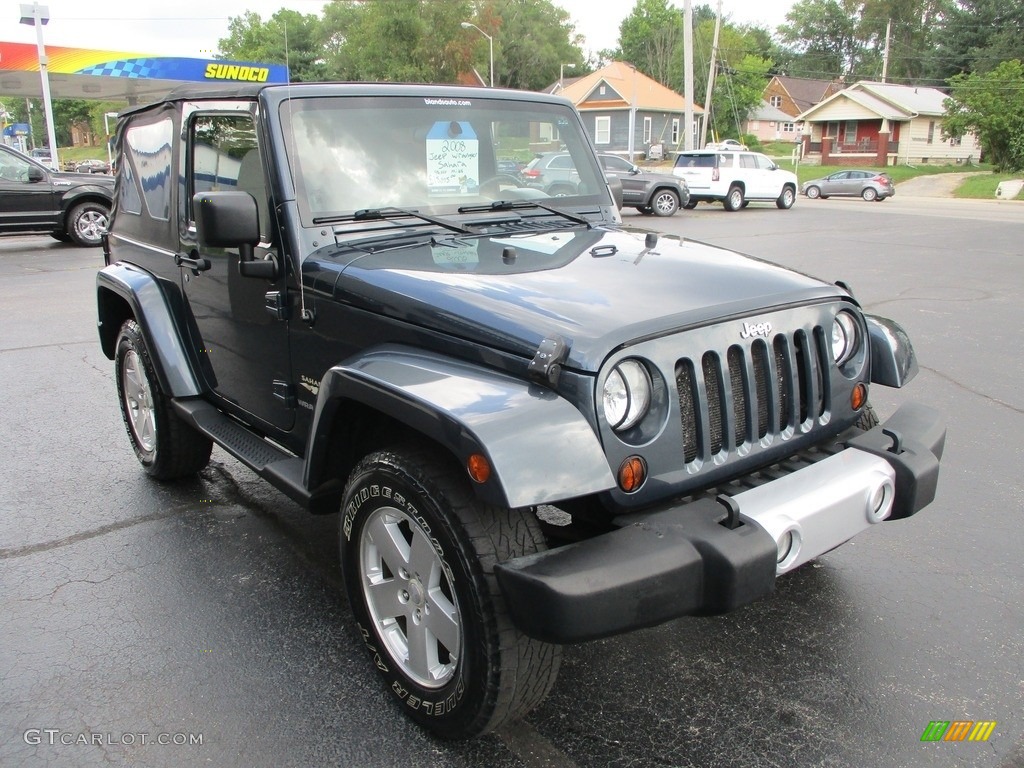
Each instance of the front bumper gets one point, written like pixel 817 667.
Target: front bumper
pixel 708 557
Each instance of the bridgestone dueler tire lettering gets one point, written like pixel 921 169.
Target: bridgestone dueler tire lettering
pixel 167 447
pixel 499 673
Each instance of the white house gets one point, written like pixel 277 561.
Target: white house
pixel 882 124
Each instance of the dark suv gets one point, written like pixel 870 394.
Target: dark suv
pixel 72 207
pixel 538 427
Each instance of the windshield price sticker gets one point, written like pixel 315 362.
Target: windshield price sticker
pixel 453 159
pixel 458 255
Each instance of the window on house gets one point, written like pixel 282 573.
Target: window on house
pixel 647 130
pixel 955 142
pixel 775 101
pixel 601 90
pixel 850 132
pixel 931 131
pixel 603 130
pixel 789 127
pixel 675 130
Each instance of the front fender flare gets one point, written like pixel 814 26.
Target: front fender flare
pixel 893 362
pixel 141 291
pixel 540 447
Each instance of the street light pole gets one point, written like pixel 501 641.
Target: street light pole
pixel 490 43
pixel 37 15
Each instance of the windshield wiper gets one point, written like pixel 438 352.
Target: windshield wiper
pixel 378 214
pixel 508 205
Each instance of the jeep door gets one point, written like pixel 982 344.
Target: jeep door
pixel 243 346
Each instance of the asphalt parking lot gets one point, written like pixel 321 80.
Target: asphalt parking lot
pixel 205 623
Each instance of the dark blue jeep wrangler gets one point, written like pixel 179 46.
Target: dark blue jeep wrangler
pixel 539 427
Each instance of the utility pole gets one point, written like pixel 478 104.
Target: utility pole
pixel 711 77
pixel 688 75
pixel 885 55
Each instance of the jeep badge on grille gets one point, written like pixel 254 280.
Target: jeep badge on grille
pixel 759 329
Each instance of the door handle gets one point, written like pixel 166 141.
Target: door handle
pixel 195 262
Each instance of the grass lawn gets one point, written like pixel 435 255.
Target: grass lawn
pixel 985 186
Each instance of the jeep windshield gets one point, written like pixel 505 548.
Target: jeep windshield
pixel 435 156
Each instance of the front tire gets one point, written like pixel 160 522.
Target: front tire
pixel 418 551
pixel 786 199
pixel 87 222
pixel 813 193
pixel 665 202
pixel 166 446
pixel 734 200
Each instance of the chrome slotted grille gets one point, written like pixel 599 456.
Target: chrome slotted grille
pixel 751 392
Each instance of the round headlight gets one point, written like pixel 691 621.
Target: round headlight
pixel 844 337
pixel 627 394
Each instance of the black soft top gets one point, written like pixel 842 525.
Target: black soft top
pixel 200 91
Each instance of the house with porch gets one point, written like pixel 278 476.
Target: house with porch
pixel 784 97
pixel 623 108
pixel 882 124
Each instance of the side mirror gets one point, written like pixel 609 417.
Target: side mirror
pixel 232 220
pixel 634 171
pixel 35 173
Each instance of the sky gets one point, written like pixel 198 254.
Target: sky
pixel 191 28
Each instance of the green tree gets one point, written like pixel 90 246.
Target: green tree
pixel 825 33
pixel 398 40
pixel 990 105
pixel 534 39
pixel 976 35
pixel 287 37
pixel 66 113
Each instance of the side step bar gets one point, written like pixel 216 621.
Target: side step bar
pixel 280 468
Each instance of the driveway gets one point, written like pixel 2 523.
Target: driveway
pixel 934 185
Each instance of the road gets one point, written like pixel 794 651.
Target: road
pixel 136 612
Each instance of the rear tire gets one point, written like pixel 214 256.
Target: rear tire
pixel 166 446
pixel 734 200
pixel 869 194
pixel 418 551
pixel 690 205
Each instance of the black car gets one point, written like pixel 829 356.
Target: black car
pixel 69 206
pixel 659 193
pixel 340 286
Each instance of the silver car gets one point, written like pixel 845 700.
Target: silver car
pixel 870 185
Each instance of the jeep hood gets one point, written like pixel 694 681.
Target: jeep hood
pixel 598 289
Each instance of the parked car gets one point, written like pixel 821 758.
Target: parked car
pixel 68 206
pixel 734 178
pixel 326 281
pixel 92 166
pixel 553 172
pixel 870 185
pixel 42 154
pixel 726 144
pixel 513 168
pixel 659 193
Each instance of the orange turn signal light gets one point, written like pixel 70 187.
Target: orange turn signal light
pixel 632 473
pixel 479 468
pixel 859 396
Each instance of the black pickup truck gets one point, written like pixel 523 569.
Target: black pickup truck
pixel 72 207
pixel 539 427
